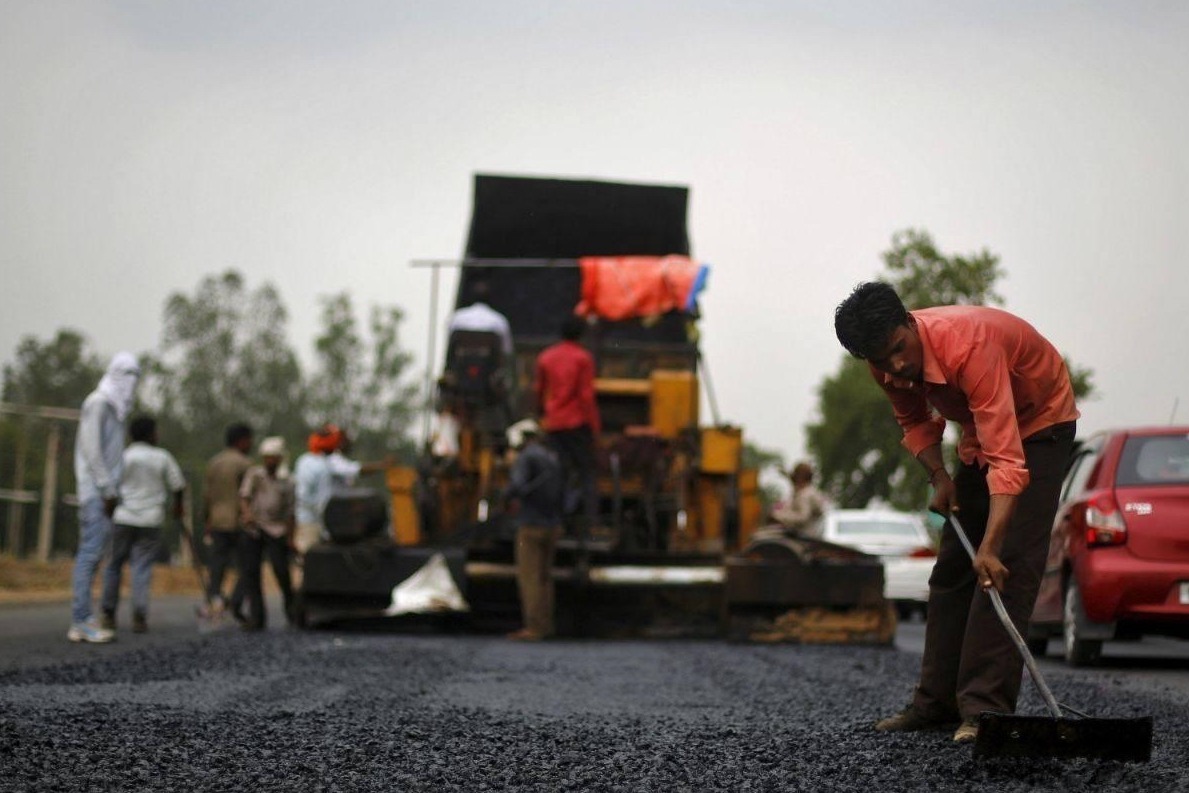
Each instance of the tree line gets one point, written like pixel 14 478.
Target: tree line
pixel 224 355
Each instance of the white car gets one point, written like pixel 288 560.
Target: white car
pixel 900 539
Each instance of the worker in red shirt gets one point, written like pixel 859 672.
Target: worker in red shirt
pixel 564 386
pixel 1008 389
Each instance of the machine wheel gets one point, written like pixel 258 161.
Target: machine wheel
pixel 1038 645
pixel 1078 651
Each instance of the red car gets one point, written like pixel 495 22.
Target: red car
pixel 1118 564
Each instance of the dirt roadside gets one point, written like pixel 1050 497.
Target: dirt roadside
pixel 30 581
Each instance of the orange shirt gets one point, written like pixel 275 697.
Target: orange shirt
pixel 565 387
pixel 991 372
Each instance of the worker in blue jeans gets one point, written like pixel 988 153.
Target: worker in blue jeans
pixel 151 481
pixel 98 466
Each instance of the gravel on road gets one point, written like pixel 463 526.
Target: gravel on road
pixel 330 710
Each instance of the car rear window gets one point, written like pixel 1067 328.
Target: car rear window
pixel 1154 460
pixel 886 528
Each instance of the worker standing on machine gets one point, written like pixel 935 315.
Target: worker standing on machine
pixel 565 391
pixel 801 513
pixel 345 471
pixel 479 316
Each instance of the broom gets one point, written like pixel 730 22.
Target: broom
pixel 209 612
pixel 1055 735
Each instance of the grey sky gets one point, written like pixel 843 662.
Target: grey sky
pixel 324 145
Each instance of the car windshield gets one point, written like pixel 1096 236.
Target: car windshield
pixel 1154 460
pixel 866 527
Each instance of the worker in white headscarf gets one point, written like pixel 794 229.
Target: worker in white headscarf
pixel 98 464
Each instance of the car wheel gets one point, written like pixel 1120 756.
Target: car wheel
pixel 1078 651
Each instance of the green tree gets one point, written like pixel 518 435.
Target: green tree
pixel 55 373
pixel 924 277
pixel 224 357
pixel 857 440
pixel 58 372
pixel 358 382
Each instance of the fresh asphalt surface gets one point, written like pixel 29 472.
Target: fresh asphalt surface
pixel 334 709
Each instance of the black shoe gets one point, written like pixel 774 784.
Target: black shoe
pixel 139 623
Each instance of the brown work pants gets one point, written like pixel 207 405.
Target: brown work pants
pixel 970 663
pixel 534 576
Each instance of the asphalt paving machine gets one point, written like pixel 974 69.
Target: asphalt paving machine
pixel 672 547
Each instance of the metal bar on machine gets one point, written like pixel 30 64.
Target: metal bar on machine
pixel 614 575
pixel 512 264
pixel 429 359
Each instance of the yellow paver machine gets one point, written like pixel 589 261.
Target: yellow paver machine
pixel 671 548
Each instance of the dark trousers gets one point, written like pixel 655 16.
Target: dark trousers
pixel 254 549
pixel 222 552
pixel 575 449
pixel 970 664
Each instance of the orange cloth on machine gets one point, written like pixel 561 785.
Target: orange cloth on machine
pixel 622 287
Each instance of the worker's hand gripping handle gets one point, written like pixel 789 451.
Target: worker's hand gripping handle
pixel 1009 626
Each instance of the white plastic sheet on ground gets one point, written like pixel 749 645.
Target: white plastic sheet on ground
pixel 431 589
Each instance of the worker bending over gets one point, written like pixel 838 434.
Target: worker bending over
pixel 1009 390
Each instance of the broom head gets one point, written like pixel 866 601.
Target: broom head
pixel 1010 735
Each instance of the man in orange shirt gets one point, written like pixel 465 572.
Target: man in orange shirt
pixel 565 392
pixel 1009 390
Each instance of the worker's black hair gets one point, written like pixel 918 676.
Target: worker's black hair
pixel 142 429
pixel 573 327
pixel 236 433
pixel 866 319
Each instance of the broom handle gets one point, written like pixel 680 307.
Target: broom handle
pixel 997 602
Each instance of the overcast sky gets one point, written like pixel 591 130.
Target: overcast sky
pixel 322 146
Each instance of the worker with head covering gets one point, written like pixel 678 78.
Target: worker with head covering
pixel 346 471
pixel 98 464
pixel 313 482
pixel 267 501
pixel 534 496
